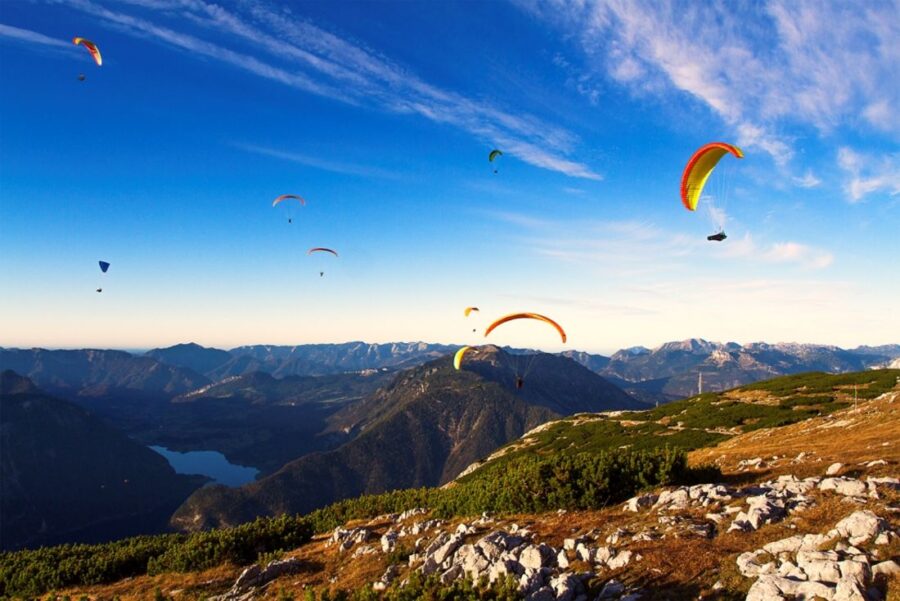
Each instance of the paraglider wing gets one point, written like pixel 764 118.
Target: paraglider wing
pixel 104 266
pixel 513 316
pixel 470 309
pixel 91 47
pixel 319 249
pixel 699 168
pixel 286 197
pixel 458 357
pixel 494 154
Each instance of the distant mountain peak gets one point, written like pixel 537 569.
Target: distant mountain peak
pixel 691 345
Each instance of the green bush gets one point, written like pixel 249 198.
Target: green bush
pixel 239 545
pixel 33 572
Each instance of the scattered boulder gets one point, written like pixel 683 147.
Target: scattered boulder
pixel 254 577
pixel 860 527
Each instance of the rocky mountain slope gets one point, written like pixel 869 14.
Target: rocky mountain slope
pixel 66 475
pixel 805 510
pixel 421 430
pixel 672 370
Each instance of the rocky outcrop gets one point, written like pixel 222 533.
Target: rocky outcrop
pixel 798 567
pixel 254 578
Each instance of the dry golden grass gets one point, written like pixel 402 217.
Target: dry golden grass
pixel 868 432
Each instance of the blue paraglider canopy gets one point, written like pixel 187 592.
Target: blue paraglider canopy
pixel 104 266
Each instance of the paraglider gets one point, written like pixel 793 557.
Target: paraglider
pixel 697 172
pixel 104 266
pixel 458 357
pixel 320 249
pixel 528 358
pixel 92 48
pixel 469 310
pixel 284 197
pixel 494 154
pixel 537 316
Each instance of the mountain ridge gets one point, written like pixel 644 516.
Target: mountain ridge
pixel 423 428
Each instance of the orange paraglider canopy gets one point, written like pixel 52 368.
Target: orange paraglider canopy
pixel 538 316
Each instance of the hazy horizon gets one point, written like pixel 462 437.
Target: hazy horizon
pixel 546 348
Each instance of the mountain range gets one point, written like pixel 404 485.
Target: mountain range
pixel 663 373
pixel 672 370
pixel 422 429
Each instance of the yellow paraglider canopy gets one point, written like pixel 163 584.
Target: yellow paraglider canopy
pixel 700 167
pixel 458 357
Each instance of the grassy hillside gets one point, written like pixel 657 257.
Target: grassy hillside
pixel 703 420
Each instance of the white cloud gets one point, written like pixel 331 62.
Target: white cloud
pixel 318 162
pixel 868 175
pixel 809 257
pixel 26 35
pixel 794 252
pixel 307 57
pixel 757 66
pixel 641 248
pixel 807 180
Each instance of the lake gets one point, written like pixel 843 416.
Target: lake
pixel 208 463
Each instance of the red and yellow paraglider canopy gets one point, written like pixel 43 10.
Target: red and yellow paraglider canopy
pixel 699 168
pixel 91 47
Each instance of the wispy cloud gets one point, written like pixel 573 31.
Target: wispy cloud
pixel 33 37
pixel 318 162
pixel 292 51
pixel 584 304
pixel 804 255
pixel 807 180
pixel 757 66
pixel 868 175
pixel 632 248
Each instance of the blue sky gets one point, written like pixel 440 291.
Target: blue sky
pixel 164 162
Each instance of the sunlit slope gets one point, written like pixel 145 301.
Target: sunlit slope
pixel 704 420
